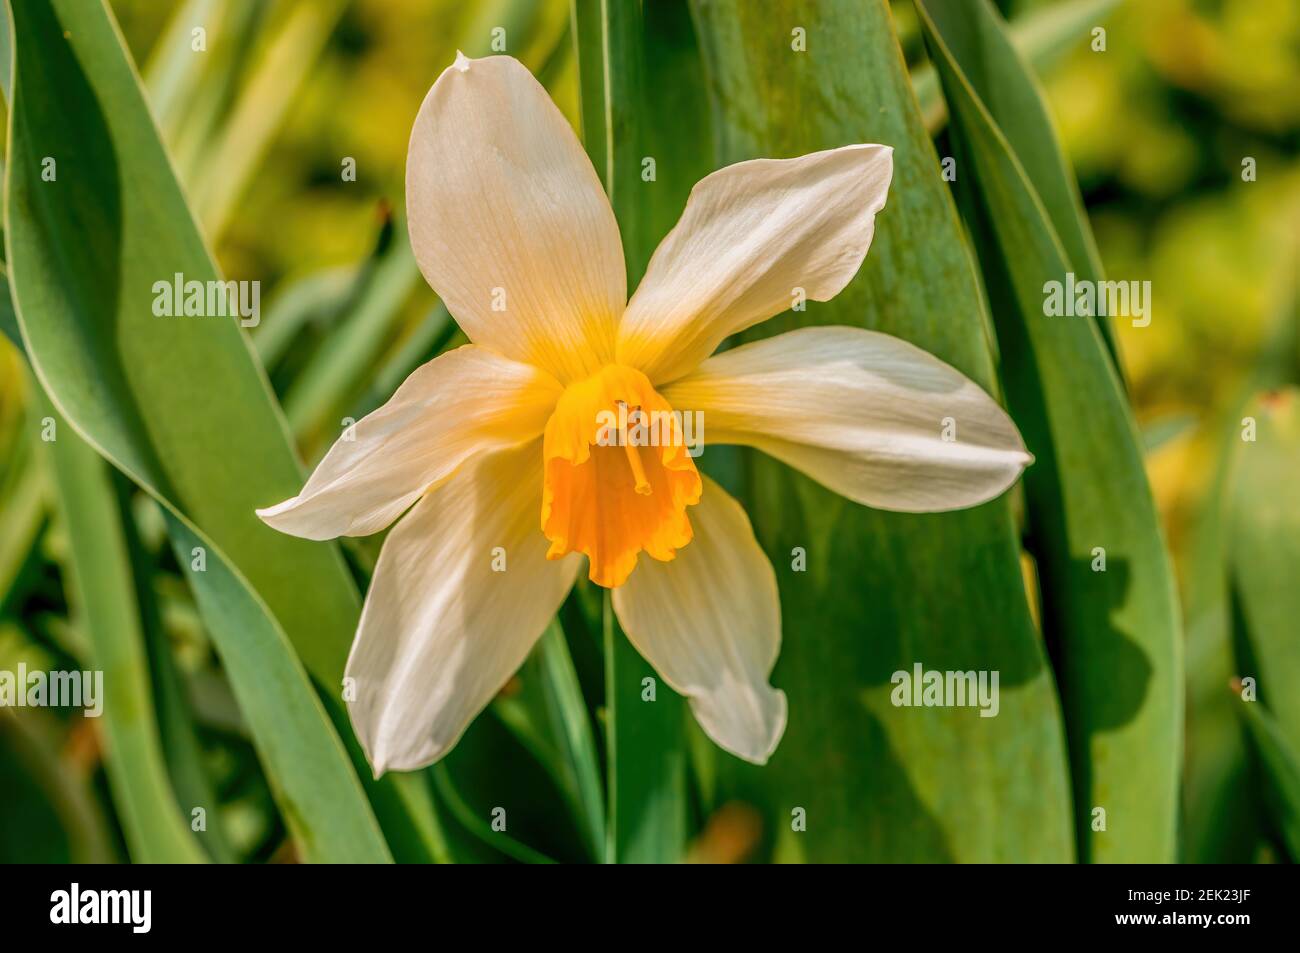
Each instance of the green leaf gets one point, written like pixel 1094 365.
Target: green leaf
pixel 1006 87
pixel 504 785
pixel 1042 36
pixel 645 747
pixel 1221 823
pixel 179 404
pixel 8 322
pixel 1281 768
pixel 1109 609
pixel 883 591
pixel 1264 554
pixel 569 717
pixel 307 766
pixel 480 827
pixel 157 830
pixel 611 67
pixel 22 519
pixel 547 713
pixel 645 742
pixel 181 748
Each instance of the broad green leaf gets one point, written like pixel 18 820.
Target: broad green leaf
pixel 156 827
pixel 179 404
pixel 884 591
pixel 1109 609
pixel 645 743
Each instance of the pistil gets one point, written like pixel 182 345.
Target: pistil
pixel 633 455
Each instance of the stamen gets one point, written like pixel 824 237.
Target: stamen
pixel 638 471
pixel 596 504
pixel 634 460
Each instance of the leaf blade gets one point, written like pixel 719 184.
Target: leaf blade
pixel 106 596
pixel 1116 629
pixel 882 591
pixel 85 251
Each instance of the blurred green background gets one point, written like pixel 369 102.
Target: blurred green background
pixel 260 129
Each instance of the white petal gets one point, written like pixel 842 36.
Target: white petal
pixel 442 631
pixel 466 401
pixel 709 622
pixel 509 222
pixel 866 414
pixel 751 235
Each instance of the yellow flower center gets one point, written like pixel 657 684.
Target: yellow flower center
pixel 618 477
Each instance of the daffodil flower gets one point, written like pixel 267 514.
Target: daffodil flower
pixel 497 443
